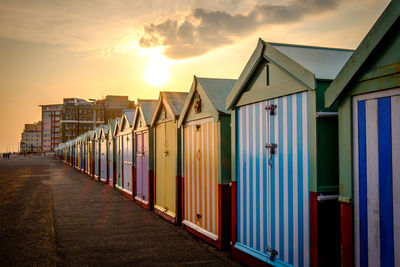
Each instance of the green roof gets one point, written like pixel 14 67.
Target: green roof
pixel 304 63
pixel 381 27
pixel 173 101
pixel 216 90
pixel 129 114
pixel 146 107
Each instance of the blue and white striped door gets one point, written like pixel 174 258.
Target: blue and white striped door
pixel 273 190
pixel 376 141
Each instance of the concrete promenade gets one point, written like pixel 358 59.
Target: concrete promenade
pixel 51 214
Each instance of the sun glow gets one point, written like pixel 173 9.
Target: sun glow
pixel 157 70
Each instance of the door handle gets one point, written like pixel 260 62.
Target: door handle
pixel 271 147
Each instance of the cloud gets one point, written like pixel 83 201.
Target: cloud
pixel 202 30
pixel 93 26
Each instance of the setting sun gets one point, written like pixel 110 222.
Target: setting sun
pixel 156 74
pixel 157 70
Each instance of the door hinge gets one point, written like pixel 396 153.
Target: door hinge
pixel 271 108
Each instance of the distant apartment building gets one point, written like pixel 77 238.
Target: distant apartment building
pixel 51 136
pixel 79 116
pixel 31 138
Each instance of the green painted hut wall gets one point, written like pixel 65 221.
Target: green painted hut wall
pixel 280 83
pixel 380 72
pixel 206 108
pixel 327 143
pixel 224 135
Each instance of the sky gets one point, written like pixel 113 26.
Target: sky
pixel 54 49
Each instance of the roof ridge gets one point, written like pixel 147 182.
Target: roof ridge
pixel 309 46
pixel 215 78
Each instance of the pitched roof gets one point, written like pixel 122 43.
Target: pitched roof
pixel 97 131
pixel 117 124
pixel 381 27
pixel 129 114
pixel 105 129
pixel 90 134
pixel 216 90
pixel 146 107
pixel 305 63
pixel 113 124
pixel 324 62
pixel 174 102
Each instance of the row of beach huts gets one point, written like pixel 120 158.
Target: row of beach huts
pixel 295 163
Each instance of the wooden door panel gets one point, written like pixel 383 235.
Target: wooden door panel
pixel 160 165
pixel 103 167
pixel 145 165
pixel 139 165
pixel 170 166
pixel 110 161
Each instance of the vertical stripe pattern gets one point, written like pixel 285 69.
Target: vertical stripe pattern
pixel 201 175
pixel 272 190
pixel 376 135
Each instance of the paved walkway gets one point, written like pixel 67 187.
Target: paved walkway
pixel 54 215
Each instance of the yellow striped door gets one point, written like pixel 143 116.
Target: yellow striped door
pixel 201 175
pixel 160 165
pixel 170 167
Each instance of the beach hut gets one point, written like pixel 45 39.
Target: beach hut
pixel 77 159
pixel 90 152
pixel 104 153
pixel 85 152
pixel 367 91
pixel 97 153
pixel 66 152
pixel 77 153
pixel 206 170
pixel 167 196
pixel 144 157
pixel 81 152
pixel 71 153
pixel 66 155
pixel 111 152
pixel 118 154
pixel 57 151
pixel 70 149
pixel 61 151
pixel 126 144
pixel 284 157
